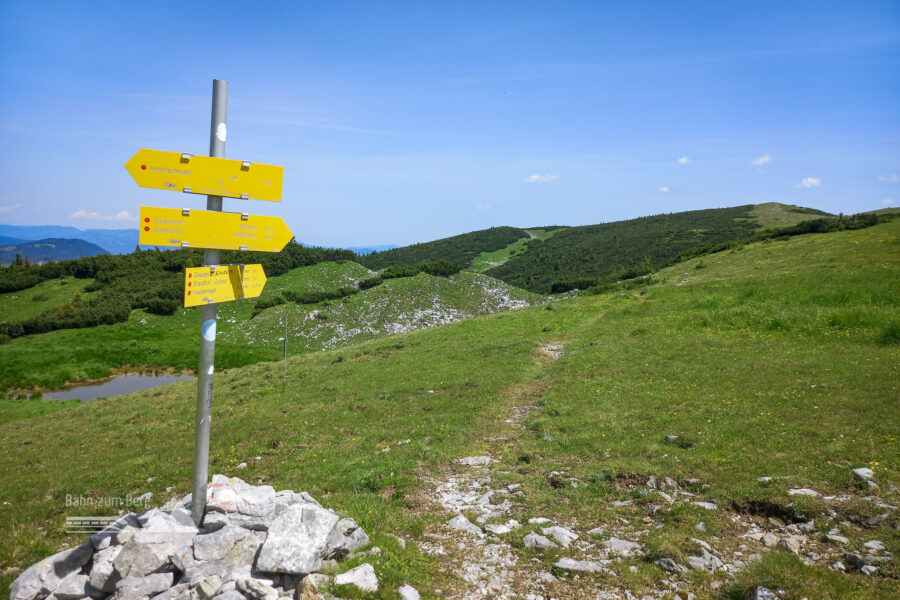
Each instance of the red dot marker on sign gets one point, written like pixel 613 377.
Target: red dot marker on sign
pixel 189 292
pixel 146 229
pixel 190 274
pixel 190 284
pixel 144 167
pixel 146 219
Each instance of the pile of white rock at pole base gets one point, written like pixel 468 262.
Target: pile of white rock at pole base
pixel 255 544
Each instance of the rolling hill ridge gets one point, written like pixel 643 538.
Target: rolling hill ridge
pixel 555 259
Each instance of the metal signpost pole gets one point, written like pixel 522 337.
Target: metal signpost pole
pixel 218 133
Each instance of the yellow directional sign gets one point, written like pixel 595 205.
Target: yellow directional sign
pixel 222 283
pixel 206 175
pixel 212 229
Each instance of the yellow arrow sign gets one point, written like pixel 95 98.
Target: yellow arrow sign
pixel 211 229
pixel 206 175
pixel 222 283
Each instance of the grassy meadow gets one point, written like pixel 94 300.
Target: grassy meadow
pixel 777 359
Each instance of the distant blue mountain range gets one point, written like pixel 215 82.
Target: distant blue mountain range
pixel 363 250
pixel 114 241
pixel 49 250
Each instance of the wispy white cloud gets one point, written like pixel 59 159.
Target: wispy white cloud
pixel 762 160
pixel 892 178
pixel 809 182
pixel 92 214
pixel 663 189
pixel 4 209
pixel 482 207
pixel 683 160
pixel 887 201
pixel 540 178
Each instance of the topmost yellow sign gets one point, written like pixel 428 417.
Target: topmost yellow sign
pixel 206 175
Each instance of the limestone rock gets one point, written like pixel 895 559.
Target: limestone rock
pixel 363 577
pixel 463 524
pixel 535 540
pixel 706 562
pixel 475 461
pixel 790 544
pixel 131 588
pixel 670 566
pixel 75 587
pixel 224 551
pixel 110 535
pixel 42 578
pixel 255 589
pixel 138 559
pixel 808 527
pixel 408 592
pixel 231 494
pixel 182 591
pixel 874 546
pixel 206 587
pixel 622 547
pixel 561 535
pixel 345 537
pixel 836 539
pixel 103 574
pixel 497 528
pixel 803 492
pixel 296 540
pixel 578 566
pixel 863 473
pixel 308 590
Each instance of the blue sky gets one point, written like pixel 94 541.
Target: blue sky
pixel 406 122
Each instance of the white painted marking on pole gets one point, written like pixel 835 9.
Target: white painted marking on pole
pixel 210 371
pixel 221 132
pixel 209 330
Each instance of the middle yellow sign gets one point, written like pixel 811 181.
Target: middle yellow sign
pixel 222 283
pixel 212 229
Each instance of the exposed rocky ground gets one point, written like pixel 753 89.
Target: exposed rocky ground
pixel 396 306
pixel 254 544
pixel 495 550
pixel 491 546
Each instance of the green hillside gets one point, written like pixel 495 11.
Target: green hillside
pixel 552 259
pixel 159 341
pixel 774 364
pixel 460 249
pixel 620 250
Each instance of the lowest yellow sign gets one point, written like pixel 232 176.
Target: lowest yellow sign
pixel 222 283
pixel 211 229
pixel 206 175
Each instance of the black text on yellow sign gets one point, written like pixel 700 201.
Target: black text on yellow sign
pixel 212 229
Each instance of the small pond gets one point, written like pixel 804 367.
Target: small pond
pixel 117 386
